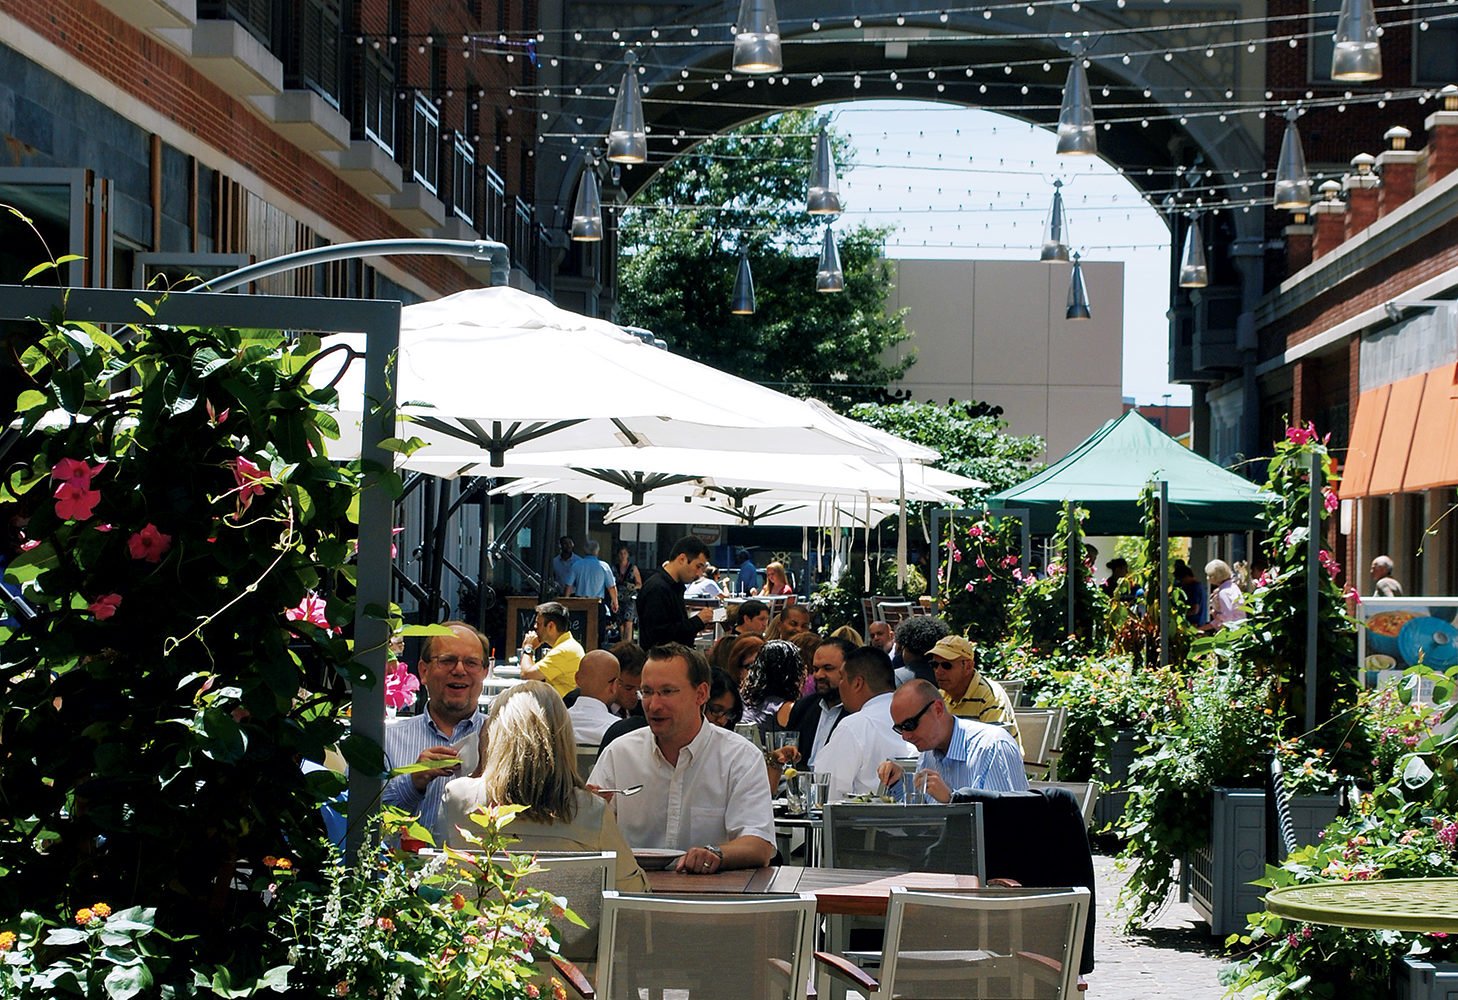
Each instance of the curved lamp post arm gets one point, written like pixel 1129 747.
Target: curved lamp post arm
pixel 498 254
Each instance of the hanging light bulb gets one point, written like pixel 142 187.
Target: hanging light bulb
pixel 828 276
pixel 627 140
pixel 1076 128
pixel 1055 234
pixel 741 303
pixel 1356 55
pixel 587 210
pixel 1077 293
pixel 757 38
pixel 1293 185
pixel 1193 271
pixel 824 195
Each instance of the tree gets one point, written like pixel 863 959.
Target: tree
pixel 681 244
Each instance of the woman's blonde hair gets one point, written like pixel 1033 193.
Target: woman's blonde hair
pixel 1217 571
pixel 849 634
pixel 529 754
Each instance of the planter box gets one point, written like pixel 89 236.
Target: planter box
pixel 1109 806
pixel 1221 872
pixel 1310 815
pixel 1419 980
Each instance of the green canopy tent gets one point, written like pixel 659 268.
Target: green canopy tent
pixel 1105 473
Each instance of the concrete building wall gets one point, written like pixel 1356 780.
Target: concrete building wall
pixel 994 330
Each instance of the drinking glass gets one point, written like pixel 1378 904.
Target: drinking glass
pixel 820 789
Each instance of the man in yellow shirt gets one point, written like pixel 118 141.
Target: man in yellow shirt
pixel 964 689
pixel 564 653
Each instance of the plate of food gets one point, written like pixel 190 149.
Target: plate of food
pixel 656 859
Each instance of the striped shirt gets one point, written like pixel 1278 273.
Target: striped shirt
pixel 979 756
pixel 985 701
pixel 404 740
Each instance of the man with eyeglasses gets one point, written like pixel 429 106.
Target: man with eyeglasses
pixel 955 753
pixel 864 736
pixel 704 789
pixel 452 669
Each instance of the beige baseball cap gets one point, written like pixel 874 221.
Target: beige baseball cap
pixel 954 647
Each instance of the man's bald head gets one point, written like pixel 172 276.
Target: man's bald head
pixel 597 676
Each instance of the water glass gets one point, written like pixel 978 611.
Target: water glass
pixel 797 790
pixel 780 740
pixel 820 790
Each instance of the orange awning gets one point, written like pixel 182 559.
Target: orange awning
pixel 1404 437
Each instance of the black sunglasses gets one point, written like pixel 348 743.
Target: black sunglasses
pixel 909 725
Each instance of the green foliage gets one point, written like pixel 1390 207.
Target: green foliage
pixel 982 577
pixel 680 253
pixel 98 954
pixel 1040 613
pixel 418 926
pixel 1133 614
pixel 971 437
pixel 190 581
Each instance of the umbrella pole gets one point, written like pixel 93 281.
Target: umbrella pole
pixel 1313 568
pixel 1164 573
pixel 1075 565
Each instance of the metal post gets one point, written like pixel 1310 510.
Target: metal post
pixel 1163 573
pixel 1074 558
pixel 1313 581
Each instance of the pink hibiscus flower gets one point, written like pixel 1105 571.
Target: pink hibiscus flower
pixel 104 606
pixel 250 479
pixel 312 610
pixel 149 544
pixel 74 502
pixel 400 685
pixel 75 471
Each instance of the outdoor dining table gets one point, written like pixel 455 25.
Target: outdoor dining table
pixel 837 891
pixel 1418 905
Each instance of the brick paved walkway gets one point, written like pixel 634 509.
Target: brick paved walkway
pixel 1175 957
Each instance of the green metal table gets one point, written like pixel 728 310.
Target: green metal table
pixel 1420 905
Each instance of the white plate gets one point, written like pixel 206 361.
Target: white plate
pixel 653 859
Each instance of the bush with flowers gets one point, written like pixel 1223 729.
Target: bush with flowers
pixel 1039 618
pixel 981 575
pixel 1407 827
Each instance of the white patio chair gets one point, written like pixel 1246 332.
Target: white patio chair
pixel 994 944
pixel 1041 729
pixel 1086 792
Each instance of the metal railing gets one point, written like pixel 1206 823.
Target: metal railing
pixel 463 178
pixel 425 144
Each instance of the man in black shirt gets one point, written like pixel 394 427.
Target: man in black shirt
pixel 661 614
pixel 816 715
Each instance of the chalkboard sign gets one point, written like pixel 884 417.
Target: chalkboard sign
pixel 522 618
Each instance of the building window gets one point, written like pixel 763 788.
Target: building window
pixel 379 99
pixel 1435 53
pixel 257 17
pixel 313 62
pixel 425 141
pixel 463 178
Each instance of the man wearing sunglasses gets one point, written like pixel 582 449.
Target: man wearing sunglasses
pixel 955 753
pixel 864 736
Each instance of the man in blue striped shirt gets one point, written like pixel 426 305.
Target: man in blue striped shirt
pixel 955 753
pixel 453 671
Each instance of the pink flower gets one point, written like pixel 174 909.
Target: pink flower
pixel 250 479
pixel 393 532
pixel 1449 835
pixel 104 606
pixel 75 471
pixel 976 531
pixel 1329 499
pixel 1301 435
pixel 149 544
pixel 956 555
pixel 1329 563
pixel 400 685
pixel 1352 595
pixel 103 528
pixel 311 609
pixel 29 544
pixel 75 503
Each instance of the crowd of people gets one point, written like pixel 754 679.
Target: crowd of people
pixel 663 716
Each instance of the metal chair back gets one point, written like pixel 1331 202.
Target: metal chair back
pixel 1086 792
pixel 897 838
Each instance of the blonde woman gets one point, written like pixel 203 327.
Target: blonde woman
pixel 776 584
pixel 530 759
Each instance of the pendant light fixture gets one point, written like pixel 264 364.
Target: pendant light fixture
pixel 757 38
pixel 1055 233
pixel 1076 128
pixel 1193 271
pixel 1293 184
pixel 741 303
pixel 587 210
pixel 627 140
pixel 1356 54
pixel 1077 293
pixel 828 276
pixel 824 194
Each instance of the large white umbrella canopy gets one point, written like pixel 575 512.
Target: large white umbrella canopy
pixel 494 374
pixel 772 510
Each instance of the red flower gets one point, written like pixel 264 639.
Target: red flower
pixel 250 479
pixel 75 471
pixel 104 606
pixel 1301 435
pixel 75 503
pixel 149 544
pixel 458 901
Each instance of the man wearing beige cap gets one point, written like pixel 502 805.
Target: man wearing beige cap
pixel 967 693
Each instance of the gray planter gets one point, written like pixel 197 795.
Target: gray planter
pixel 1419 980
pixel 1109 806
pixel 1221 872
pixel 1310 815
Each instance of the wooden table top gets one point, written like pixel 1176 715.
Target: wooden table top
pixel 844 891
pixel 1418 905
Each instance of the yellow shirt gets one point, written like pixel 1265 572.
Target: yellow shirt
pixel 560 664
pixel 985 701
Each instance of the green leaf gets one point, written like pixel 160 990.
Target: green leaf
pixel 363 754
pixel 417 767
pixel 1416 773
pixel 424 630
pixel 30 399
pixel 125 982
pixel 145 306
pixel 40 268
pixel 62 936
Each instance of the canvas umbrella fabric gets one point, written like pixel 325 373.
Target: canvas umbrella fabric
pixel 768 511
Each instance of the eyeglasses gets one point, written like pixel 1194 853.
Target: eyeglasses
pixel 450 660
pixel 712 711
pixel 668 692
pixel 909 725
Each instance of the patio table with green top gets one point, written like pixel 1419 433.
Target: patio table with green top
pixel 1418 905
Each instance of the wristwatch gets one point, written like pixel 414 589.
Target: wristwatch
pixel 715 851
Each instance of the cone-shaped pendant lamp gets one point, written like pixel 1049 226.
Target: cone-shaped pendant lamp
pixel 627 140
pixel 1293 184
pixel 828 276
pixel 587 210
pixel 1077 293
pixel 824 195
pixel 1356 55
pixel 741 303
pixel 1193 271
pixel 1055 234
pixel 757 38
pixel 1076 129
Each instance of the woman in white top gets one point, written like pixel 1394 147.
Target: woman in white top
pixel 1226 599
pixel 530 759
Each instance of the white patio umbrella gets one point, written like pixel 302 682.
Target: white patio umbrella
pixel 495 373
pixel 773 510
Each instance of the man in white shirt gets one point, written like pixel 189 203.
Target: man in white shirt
pixel 864 738
pixel 597 687
pixel 703 787
pixel 879 634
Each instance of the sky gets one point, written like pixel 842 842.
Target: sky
pixel 967 184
